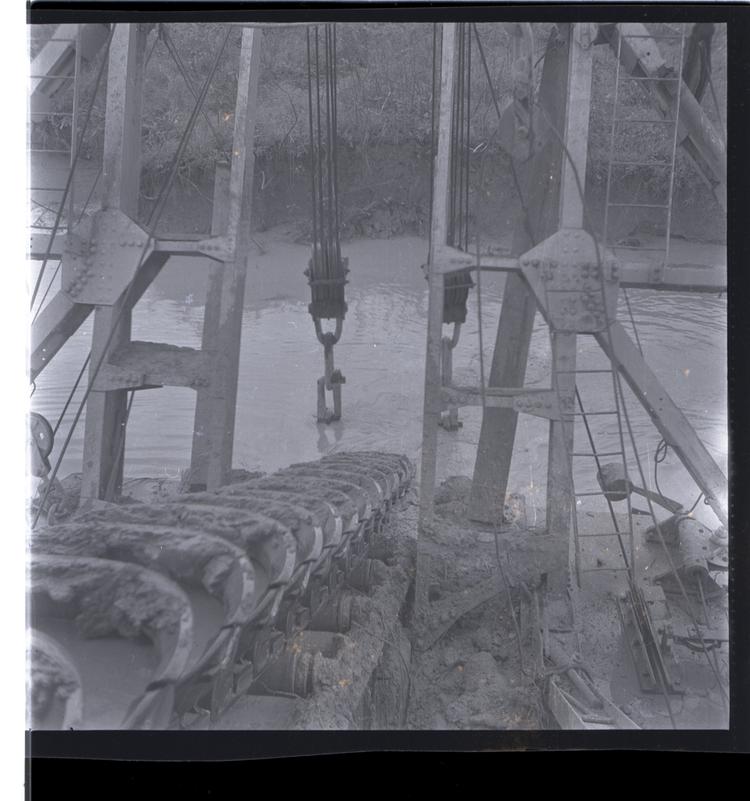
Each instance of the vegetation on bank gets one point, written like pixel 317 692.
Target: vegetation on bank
pixel 384 114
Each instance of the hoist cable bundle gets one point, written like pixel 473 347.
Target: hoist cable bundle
pixel 458 284
pixel 327 269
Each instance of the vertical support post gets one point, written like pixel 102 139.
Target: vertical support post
pixel 435 280
pixel 576 129
pixel 213 437
pixel 121 159
pixel 541 189
pixel 432 409
pixel 70 215
pixel 576 134
pixel 103 449
pixel 204 403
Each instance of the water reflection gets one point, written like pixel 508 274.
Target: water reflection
pixel 381 353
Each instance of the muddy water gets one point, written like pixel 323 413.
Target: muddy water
pixel 381 353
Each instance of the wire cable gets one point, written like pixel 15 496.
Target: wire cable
pixel 514 174
pixel 173 52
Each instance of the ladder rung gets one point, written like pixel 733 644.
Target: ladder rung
pixel 644 122
pixel 561 291
pixel 607 534
pixel 46 189
pixel 638 247
pixel 640 164
pixel 589 414
pixel 597 455
pixel 591 494
pixel 593 721
pixel 641 206
pixel 583 371
pixel 41 36
pixel 52 77
pixel 641 78
pixel 45 150
pixel 650 35
pixel 608 569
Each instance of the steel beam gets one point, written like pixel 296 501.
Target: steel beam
pixel 683 278
pixel 62 317
pixel 539 402
pixel 121 160
pixel 39 244
pixel 213 436
pixel 56 323
pixel 668 419
pixel 498 432
pixel 433 356
pixel 572 215
pixel 104 447
pixel 145 365
pixel 56 58
pixel 103 439
pixel 435 279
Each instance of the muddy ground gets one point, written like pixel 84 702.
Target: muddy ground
pixel 474 672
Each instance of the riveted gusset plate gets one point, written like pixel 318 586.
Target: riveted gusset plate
pixel 101 257
pixel 576 288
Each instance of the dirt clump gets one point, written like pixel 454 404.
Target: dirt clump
pixel 471 673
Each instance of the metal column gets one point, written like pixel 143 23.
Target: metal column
pixel 576 137
pixel 435 279
pixel 105 410
pixel 541 188
pixel 436 289
pixel 213 436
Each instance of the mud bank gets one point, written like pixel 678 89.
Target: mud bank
pixel 472 670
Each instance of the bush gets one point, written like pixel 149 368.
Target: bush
pixel 385 99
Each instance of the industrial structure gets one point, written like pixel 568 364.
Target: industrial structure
pixel 241 588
